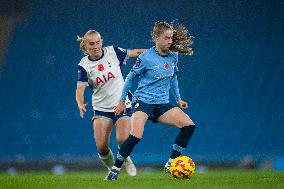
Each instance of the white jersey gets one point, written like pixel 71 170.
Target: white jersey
pixel 104 77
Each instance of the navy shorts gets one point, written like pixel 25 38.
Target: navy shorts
pixel 154 111
pixel 110 115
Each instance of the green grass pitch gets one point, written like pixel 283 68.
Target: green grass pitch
pixel 217 179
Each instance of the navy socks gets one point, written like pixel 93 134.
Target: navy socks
pixel 182 140
pixel 125 150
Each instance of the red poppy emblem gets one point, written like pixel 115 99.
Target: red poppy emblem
pixel 100 67
pixel 166 65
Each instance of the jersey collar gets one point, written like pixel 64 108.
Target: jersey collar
pixel 155 48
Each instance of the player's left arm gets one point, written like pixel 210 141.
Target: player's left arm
pixel 127 85
pixel 175 90
pixel 133 53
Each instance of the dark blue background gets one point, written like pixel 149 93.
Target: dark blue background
pixel 233 82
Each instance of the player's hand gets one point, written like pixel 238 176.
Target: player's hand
pixel 182 104
pixel 82 108
pixel 119 108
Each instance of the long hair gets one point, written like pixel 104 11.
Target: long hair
pixel 82 40
pixel 182 40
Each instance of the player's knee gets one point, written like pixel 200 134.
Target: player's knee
pixel 122 136
pixel 186 121
pixel 137 131
pixel 121 139
pixel 189 127
pixel 137 134
pixel 187 124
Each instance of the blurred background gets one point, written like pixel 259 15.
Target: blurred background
pixel 233 82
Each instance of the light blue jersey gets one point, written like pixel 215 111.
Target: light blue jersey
pixel 156 77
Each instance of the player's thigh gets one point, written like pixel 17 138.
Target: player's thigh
pixel 102 130
pixel 138 120
pixel 175 117
pixel 122 127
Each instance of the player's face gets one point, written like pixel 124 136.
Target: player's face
pixel 164 41
pixel 94 45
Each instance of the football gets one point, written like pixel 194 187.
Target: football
pixel 182 167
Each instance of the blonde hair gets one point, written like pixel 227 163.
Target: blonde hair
pixel 182 40
pixel 82 40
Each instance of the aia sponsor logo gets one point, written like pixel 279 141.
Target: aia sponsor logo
pixel 104 78
pixel 101 67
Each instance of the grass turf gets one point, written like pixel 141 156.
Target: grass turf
pixel 218 179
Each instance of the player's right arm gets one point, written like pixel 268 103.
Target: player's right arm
pixel 80 99
pixel 82 82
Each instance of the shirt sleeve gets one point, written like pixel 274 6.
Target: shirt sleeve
pixel 127 85
pixel 139 66
pixel 82 76
pixel 121 54
pixel 174 87
pixel 174 81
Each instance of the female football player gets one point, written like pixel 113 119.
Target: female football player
pixel 100 69
pixel 157 69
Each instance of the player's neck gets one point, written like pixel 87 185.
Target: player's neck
pixel 161 52
pixel 98 57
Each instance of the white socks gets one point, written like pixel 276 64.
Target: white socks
pixel 107 159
